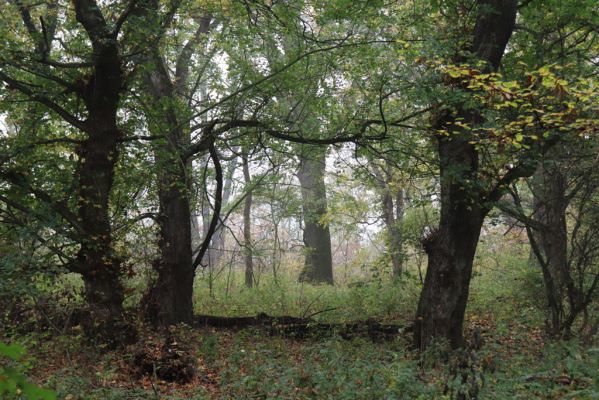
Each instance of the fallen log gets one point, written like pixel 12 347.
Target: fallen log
pixel 260 320
pixel 304 327
pixel 557 379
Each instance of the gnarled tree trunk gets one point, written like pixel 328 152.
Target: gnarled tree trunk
pixel 98 155
pixel 451 248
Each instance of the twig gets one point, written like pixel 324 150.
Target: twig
pixel 321 311
pixel 154 377
pixel 310 305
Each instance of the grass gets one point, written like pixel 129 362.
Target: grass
pixel 380 299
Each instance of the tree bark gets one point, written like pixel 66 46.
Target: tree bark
pixel 170 299
pixel 451 248
pixel 318 264
pixel 247 226
pixel 98 155
pixel 393 209
pixel 563 260
pixel 101 268
pixel 543 257
pixel 171 296
pixel 549 191
pixel 215 252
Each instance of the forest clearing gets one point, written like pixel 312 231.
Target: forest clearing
pixel 299 199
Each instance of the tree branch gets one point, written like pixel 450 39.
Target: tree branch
pixel 218 197
pixel 183 61
pixel 21 87
pixel 59 207
pixel 123 17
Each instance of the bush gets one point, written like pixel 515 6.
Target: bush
pixel 12 383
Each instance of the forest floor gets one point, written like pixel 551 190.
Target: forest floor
pixel 248 364
pixel 515 360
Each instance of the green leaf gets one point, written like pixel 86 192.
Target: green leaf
pixel 14 352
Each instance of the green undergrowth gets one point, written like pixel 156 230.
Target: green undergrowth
pixel 250 365
pixel 379 299
pixel 516 360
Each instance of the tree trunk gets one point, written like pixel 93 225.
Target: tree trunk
pixel 392 200
pixel 171 297
pixel 549 190
pixel 394 238
pixel 206 212
pixel 169 300
pixel 247 225
pixel 101 269
pixel 451 248
pixel 218 243
pixel 98 155
pixel 104 295
pixel 318 264
pixel 537 211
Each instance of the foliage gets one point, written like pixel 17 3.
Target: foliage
pixel 286 296
pixel 12 383
pixel 193 84
pixel 516 359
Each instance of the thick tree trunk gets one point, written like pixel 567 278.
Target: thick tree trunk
pixel 318 265
pixel 170 299
pixel 451 249
pixel 563 259
pixel 101 269
pixel 247 226
pixel 98 155
pixel 104 294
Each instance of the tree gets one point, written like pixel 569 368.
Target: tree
pixel 392 200
pixel 561 227
pixel 485 142
pixel 451 247
pixel 564 183
pixel 216 250
pixel 169 300
pixel 247 223
pixel 97 79
pixel 318 263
